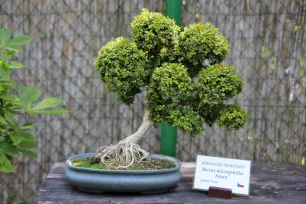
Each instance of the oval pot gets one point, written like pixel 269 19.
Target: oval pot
pixel 143 181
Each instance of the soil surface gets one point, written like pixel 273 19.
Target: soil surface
pixel 146 164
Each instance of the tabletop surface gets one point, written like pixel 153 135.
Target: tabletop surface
pixel 269 184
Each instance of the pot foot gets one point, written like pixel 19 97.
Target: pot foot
pixel 90 191
pixel 155 192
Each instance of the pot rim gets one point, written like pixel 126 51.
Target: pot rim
pixel 152 156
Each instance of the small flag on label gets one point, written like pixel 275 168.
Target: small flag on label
pixel 240 185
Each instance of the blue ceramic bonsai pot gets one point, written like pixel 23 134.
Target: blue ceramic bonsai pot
pixel 143 181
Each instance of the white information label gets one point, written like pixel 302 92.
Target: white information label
pixel 223 173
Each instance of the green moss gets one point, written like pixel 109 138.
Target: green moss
pixel 86 164
pixel 147 165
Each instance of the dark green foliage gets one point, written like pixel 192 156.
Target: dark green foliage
pixel 14 138
pixel 216 84
pixel 210 113
pixel 170 84
pixel 122 68
pixel 154 32
pixel 159 113
pixel 232 117
pixel 185 82
pixel 169 93
pixel 201 44
pixel 187 120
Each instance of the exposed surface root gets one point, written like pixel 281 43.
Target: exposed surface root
pixel 127 152
pixel 146 164
pixel 122 155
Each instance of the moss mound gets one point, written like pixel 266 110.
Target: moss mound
pixel 147 164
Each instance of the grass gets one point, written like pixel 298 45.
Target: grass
pixel 148 164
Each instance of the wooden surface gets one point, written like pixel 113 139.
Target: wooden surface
pixel 269 184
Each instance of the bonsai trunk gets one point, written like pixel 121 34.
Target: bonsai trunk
pixel 126 152
pixel 140 133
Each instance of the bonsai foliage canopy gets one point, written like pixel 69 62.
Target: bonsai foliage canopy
pixel 180 70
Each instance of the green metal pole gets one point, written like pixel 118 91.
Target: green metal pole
pixel 168 132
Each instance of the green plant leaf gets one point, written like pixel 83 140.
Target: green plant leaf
pixel 2 157
pixel 10 98
pixel 23 140
pixel 2 138
pixel 27 126
pixel 15 65
pixel 15 48
pixel 55 111
pixel 27 144
pixel 2 120
pixel 47 103
pixel 28 141
pixel 5 35
pixel 6 82
pixel 16 138
pixel 9 149
pixel 10 119
pixel 29 153
pixel 19 40
pixel 5 57
pixel 4 73
pixel 30 95
pixel 6 166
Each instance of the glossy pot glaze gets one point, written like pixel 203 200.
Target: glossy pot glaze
pixel 143 181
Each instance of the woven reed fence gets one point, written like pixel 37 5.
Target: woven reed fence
pixel 268 45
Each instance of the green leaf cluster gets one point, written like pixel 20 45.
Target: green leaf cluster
pixel 154 32
pixel 186 119
pixel 14 138
pixel 170 84
pixel 232 117
pixel 122 68
pixel 217 84
pixel 169 95
pixel 201 45
pixel 185 82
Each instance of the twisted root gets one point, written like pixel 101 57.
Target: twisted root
pixel 122 155
pixel 127 152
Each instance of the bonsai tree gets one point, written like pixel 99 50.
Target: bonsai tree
pixel 14 100
pixel 181 73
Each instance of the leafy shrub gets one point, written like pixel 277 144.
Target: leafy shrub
pixel 14 138
pixel 184 81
